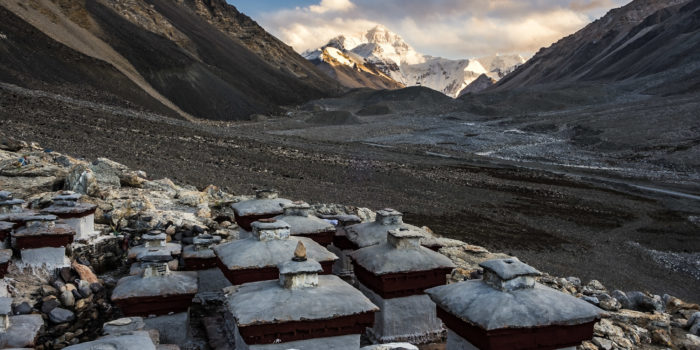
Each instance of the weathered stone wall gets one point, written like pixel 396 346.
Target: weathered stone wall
pixel 104 255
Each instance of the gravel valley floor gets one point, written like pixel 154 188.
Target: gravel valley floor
pixel 588 223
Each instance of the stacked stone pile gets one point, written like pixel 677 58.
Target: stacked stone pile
pixel 73 305
pixel 635 319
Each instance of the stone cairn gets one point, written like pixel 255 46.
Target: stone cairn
pixel 508 309
pixel 394 275
pixel 315 311
pixel 303 223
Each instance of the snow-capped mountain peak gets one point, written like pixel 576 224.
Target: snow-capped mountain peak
pixel 378 44
pixel 386 51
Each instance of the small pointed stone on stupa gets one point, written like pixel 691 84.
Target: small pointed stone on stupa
pixel 300 252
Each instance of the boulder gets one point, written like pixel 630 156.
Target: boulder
pixel 106 172
pixel 59 315
pixel 591 300
pixel 191 198
pixel 67 298
pixel 49 304
pixel 603 343
pixel 31 165
pixel 22 308
pixel 610 304
pixel 692 342
pixel 114 175
pixel 84 272
pixel 67 274
pixel 162 185
pixel 132 179
pixel 642 319
pixel 642 302
pixel 661 337
pixel 48 290
pixel 123 325
pixel 84 288
pixel 24 187
pixel 81 179
pixel 605 328
pixel 574 281
pixel 10 144
pixel 594 287
pixel 693 324
pixel 622 298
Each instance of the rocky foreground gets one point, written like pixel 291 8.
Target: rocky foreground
pixel 75 302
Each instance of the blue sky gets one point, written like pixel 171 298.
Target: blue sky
pixel 447 28
pixel 254 8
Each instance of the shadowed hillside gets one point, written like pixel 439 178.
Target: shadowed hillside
pixel 196 58
pixel 656 43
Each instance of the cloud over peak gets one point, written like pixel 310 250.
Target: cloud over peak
pixel 332 6
pixel 448 28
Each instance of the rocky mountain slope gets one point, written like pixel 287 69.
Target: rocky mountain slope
pixel 351 71
pixel 187 58
pixel 653 42
pixel 389 55
pixel 481 83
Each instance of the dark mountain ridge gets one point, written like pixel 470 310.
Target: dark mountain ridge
pixel 657 41
pixel 191 58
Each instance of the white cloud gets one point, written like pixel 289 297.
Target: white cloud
pixel 332 5
pixel 448 28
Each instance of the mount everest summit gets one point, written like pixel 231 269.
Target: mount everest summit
pixel 381 59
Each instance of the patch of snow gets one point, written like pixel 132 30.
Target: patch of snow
pixel 338 56
pixel 312 54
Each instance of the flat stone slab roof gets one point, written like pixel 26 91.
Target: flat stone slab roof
pixel 175 283
pixel 299 225
pixel 11 202
pixel 295 267
pixel 127 341
pixel 384 258
pixel 173 248
pixel 190 252
pixel 25 216
pixel 155 255
pixel 6 226
pixel 250 253
pixel 371 233
pixel 56 230
pixel 508 269
pixel 260 206
pixel 123 325
pixel 332 298
pixel 22 332
pixel 68 197
pixel 77 209
pixel 479 304
pixel 342 218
